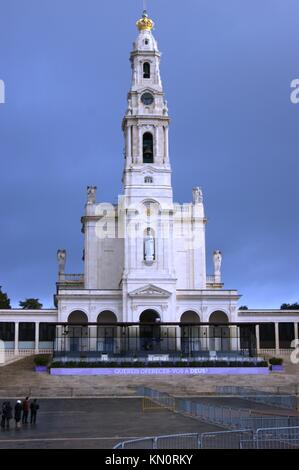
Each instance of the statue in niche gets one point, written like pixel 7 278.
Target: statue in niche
pixel 61 257
pixel 217 261
pixel 91 194
pixel 149 247
pixel 197 195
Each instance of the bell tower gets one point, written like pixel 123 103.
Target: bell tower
pixel 147 169
pixel 149 279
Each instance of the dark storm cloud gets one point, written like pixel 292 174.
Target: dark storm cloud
pixel 226 70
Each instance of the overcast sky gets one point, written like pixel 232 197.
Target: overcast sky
pixel 226 70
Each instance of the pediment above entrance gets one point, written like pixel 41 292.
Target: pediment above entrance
pixel 150 291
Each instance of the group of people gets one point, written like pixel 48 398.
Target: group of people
pixel 21 413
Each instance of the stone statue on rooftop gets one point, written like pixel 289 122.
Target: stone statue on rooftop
pixel 217 256
pixel 197 195
pixel 91 194
pixel 61 257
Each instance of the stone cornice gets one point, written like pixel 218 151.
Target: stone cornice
pixel 89 294
pixel 32 316
pixel 273 313
pixel 207 294
pixel 141 169
pixel 145 54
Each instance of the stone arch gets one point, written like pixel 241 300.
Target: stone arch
pixel 149 203
pixel 149 316
pixel 107 316
pixel 106 332
pixel 190 334
pixel 78 333
pixel 218 316
pixel 78 316
pixel 150 332
pixel 149 212
pixel 190 316
pixel 219 336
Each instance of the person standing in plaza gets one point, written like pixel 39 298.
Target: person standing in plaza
pixel 34 407
pixel 18 414
pixel 3 414
pixel 7 414
pixel 25 407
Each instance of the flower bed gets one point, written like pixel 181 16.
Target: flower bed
pixel 42 362
pixel 162 364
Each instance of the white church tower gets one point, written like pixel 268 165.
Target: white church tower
pixel 145 259
pixel 149 278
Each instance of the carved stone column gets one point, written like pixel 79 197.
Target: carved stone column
pixel 257 333
pixel 129 145
pixel 36 337
pixel 16 338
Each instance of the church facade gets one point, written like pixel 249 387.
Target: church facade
pixel 152 250
pixel 144 258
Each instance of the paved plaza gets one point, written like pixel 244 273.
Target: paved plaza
pixel 96 423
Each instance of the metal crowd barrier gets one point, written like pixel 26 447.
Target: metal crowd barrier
pixel 267 398
pixel 173 441
pixel 225 439
pixel 268 438
pixel 232 418
pixel 273 438
pixel 269 444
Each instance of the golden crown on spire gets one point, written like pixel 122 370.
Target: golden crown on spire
pixel 145 23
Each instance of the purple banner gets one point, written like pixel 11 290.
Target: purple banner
pixel 162 371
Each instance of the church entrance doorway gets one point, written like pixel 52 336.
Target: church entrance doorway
pixel 150 331
pixel 78 334
pixel 190 333
pixel 106 334
pixel 219 335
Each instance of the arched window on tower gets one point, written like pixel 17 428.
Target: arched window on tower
pixel 146 70
pixel 148 148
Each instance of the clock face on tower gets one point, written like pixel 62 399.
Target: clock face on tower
pixel 147 98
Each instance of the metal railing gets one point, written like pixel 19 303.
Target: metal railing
pixel 258 396
pixel 173 441
pixel 228 417
pixel 273 438
pixel 225 439
pixel 72 277
pixel 270 438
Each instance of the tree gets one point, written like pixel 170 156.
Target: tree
pixel 31 304
pixel 294 306
pixel 243 307
pixel 4 300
